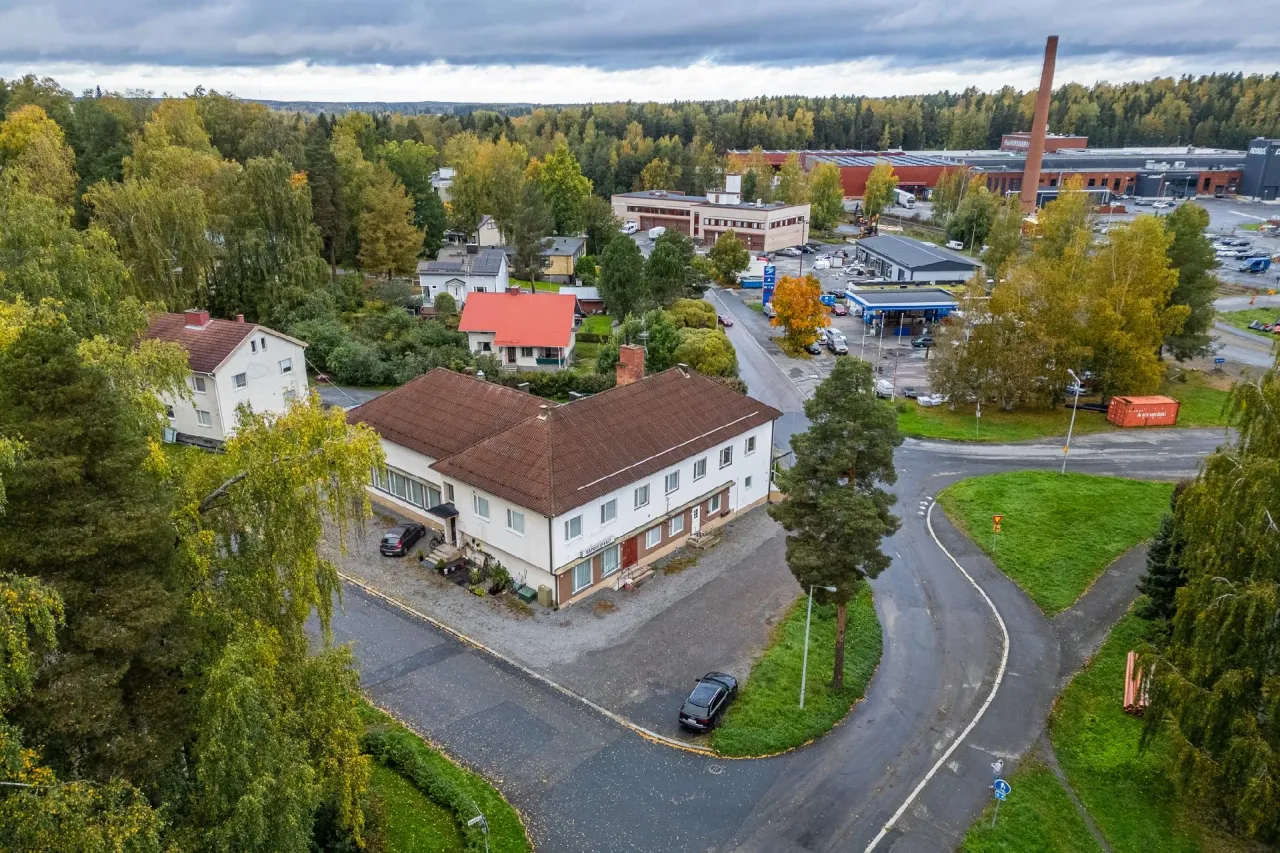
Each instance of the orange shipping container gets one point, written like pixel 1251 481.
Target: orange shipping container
pixel 1143 411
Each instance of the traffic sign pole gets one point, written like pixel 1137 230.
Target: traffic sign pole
pixel 1001 789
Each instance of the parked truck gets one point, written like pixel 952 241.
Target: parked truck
pixel 657 231
pixel 1255 265
pixel 902 198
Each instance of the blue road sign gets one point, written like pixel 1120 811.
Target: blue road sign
pixel 1002 789
pixel 770 275
pixel 1219 360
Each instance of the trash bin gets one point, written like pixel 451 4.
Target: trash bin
pixel 544 596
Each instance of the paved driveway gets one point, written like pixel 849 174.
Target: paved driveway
pixel 633 652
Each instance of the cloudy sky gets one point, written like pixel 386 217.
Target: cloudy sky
pixel 557 51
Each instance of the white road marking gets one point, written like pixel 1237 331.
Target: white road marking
pixel 1249 215
pixel 995 687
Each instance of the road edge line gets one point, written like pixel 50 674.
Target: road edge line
pixel 785 375
pixel 995 688
pixel 537 676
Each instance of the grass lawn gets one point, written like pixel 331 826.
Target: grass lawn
pixel 1202 398
pixel 597 324
pixel 547 286
pixel 757 307
pixel 1059 532
pixel 584 355
pixel 1250 226
pixel 412 823
pixel 506 831
pixel 1242 319
pixel 1037 817
pixel 766 717
pixel 1130 794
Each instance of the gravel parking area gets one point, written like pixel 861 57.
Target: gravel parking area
pixel 634 652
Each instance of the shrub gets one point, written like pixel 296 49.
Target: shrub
pixel 323 336
pixel 404 752
pixel 356 363
pixel 693 314
pixel 592 338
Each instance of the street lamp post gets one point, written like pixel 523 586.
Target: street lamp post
pixel 804 666
pixel 1067 447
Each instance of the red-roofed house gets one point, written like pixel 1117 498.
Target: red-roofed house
pixel 526 331
pixel 233 363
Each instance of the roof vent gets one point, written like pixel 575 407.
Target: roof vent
pixel 524 386
pixel 684 369
pixel 542 415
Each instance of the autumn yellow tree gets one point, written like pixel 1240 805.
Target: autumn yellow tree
pixel 389 241
pixel 881 183
pixel 33 147
pixel 800 313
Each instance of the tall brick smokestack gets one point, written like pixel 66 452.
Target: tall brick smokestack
pixel 1035 149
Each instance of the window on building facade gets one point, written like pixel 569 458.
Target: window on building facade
pixel 515 521
pixel 673 481
pixel 204 418
pixel 751 445
pixel 676 525
pixel 253 346
pixel 653 537
pixel 700 468
pixel 726 456
pixel 642 496
pixel 526 352
pixel 290 394
pixel 168 410
pixel 610 560
pixel 713 505
pixel 286 365
pixel 264 344
pixel 485 346
pixel 197 382
pixel 746 484
pixel 550 352
pixel 573 528
pixel 608 511
pixel 448 490
pixel 240 380
pixel 480 506
pixel 581 576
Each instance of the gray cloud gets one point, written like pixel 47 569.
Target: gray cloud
pixel 613 35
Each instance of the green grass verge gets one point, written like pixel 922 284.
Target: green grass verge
pixel 411 822
pixel 1202 406
pixel 597 324
pixel 1250 226
pixel 1038 817
pixel 766 717
pixel 584 357
pixel 506 831
pixel 545 286
pixel 1059 532
pixel 1242 319
pixel 1129 793
pixel 757 307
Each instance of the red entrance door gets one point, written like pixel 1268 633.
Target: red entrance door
pixel 630 551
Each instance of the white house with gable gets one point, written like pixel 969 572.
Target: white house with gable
pixel 233 363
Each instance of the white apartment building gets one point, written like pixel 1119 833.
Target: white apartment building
pixel 760 227
pixel 233 363
pixel 579 496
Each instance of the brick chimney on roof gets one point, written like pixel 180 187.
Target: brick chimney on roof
pixel 630 364
pixel 195 318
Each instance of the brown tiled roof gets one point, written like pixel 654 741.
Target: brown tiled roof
pixel 569 455
pixel 207 347
pixel 442 412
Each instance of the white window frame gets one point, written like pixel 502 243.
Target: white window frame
pixel 700 469
pixel 240 381
pixel 639 490
pixel 253 345
pixel 169 412
pixel 667 482
pixel 286 366
pixel 608 511
pixel 515 521
pixel 569 535
pixel 199 385
pixel 649 540
pixel 579 587
pixel 204 418
pixel 713 505
pixel 726 452
pixel 672 530
pixel 750 446
pixel 448 492
pixel 746 484
pixel 476 501
pixel 616 552
pixel 263 341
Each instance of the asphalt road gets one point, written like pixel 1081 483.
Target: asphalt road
pixel 586 783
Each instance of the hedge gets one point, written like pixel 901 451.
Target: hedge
pixel 592 338
pixel 557 385
pixel 403 751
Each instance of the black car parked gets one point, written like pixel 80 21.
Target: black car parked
pixel 397 541
pixel 922 341
pixel 708 701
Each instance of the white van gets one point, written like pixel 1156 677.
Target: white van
pixel 655 233
pixel 955 244
pixel 630 226
pixel 884 388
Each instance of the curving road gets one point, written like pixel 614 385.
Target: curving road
pixel 585 783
